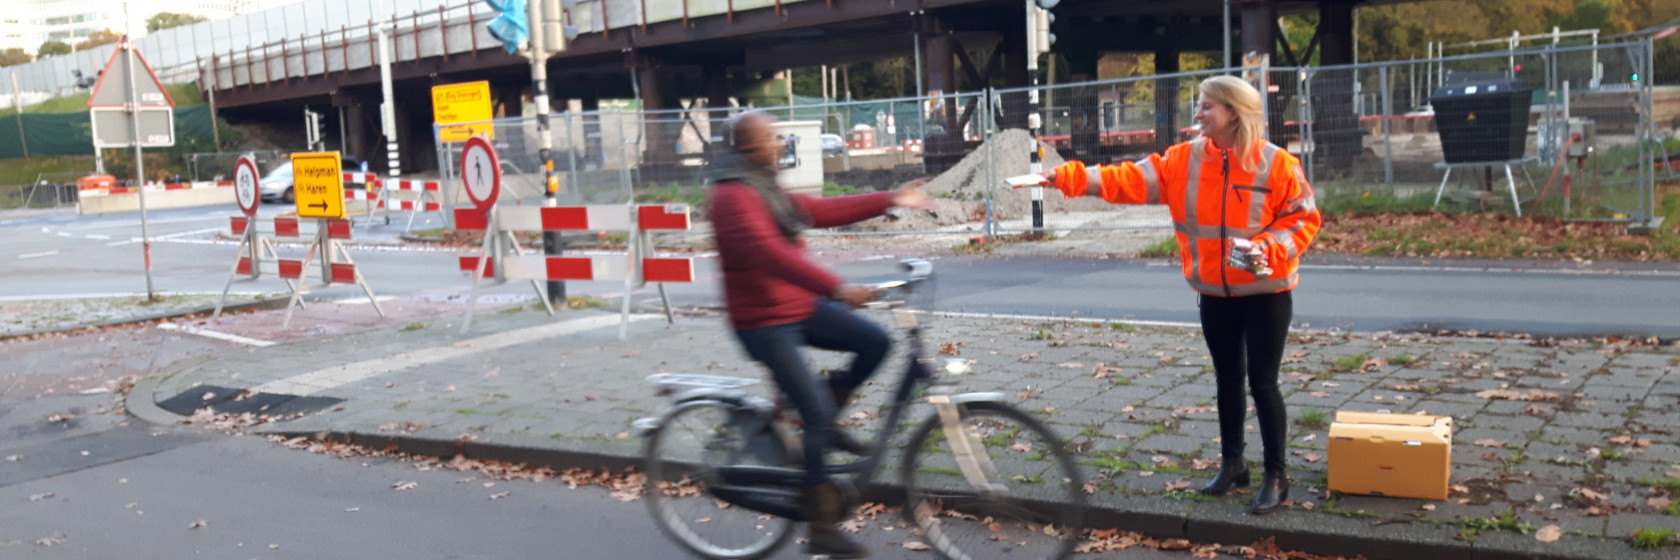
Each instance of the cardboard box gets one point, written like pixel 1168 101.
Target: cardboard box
pixel 1396 455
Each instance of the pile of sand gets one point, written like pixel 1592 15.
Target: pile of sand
pixel 962 190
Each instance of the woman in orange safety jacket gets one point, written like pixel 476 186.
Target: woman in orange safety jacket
pixel 1243 214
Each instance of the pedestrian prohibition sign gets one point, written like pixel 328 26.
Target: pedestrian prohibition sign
pixel 318 184
pixel 481 173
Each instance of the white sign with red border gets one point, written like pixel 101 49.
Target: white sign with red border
pixel 245 185
pixel 481 173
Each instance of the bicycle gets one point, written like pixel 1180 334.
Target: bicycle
pixel 980 477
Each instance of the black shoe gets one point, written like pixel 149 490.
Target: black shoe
pixel 842 440
pixel 1274 489
pixel 824 509
pixel 1231 473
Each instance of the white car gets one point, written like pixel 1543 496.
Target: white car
pixel 277 184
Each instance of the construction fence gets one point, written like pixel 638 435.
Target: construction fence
pixel 1585 139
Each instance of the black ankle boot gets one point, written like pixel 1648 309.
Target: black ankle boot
pixel 1231 473
pixel 824 509
pixel 1274 489
pixel 842 440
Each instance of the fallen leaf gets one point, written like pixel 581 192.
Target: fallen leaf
pixel 1021 446
pixel 1535 410
pixel 353 509
pixel 500 495
pixel 196 524
pixel 1071 365
pixel 405 485
pixel 1460 489
pixel 1313 457
pixel 1494 443
pixel 1492 457
pixel 1090 488
pixel 1179 484
pixel 1549 533
pixel 1590 494
pixel 1517 395
pixel 1429 507
pixel 1621 440
pixel 915 545
pixel 39 497
pixel 1657 502
pixel 1146 473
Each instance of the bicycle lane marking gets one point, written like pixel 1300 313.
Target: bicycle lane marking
pixel 306 384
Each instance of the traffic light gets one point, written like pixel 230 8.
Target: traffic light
pixel 511 26
pixel 557 28
pixel 1634 77
pixel 1039 37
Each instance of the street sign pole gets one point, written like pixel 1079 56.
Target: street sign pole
pixel 139 162
pixel 552 242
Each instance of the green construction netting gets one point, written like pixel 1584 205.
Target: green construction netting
pixel 70 133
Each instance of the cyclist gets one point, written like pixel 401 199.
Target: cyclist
pixel 1244 214
pixel 778 300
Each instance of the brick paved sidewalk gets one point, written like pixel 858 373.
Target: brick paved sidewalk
pixel 1597 453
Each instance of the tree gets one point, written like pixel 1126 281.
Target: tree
pixel 52 48
pixel 13 56
pixel 166 20
pixel 98 38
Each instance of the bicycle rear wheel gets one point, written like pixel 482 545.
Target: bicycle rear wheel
pixel 1019 497
pixel 678 458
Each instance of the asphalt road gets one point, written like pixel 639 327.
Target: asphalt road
pixel 142 490
pixel 60 255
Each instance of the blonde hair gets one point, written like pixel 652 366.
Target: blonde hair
pixel 1244 101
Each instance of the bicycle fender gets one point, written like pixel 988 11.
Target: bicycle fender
pixel 965 398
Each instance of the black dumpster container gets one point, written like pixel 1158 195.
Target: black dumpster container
pixel 1482 121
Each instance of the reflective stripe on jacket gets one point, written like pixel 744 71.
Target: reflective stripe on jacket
pixel 1213 200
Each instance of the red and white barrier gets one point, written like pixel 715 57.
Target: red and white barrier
pixel 155 186
pixel 502 258
pixel 257 256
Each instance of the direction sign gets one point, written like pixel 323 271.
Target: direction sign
pixel 468 102
pixel 245 185
pixel 318 184
pixel 481 173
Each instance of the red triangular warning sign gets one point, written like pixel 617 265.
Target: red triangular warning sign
pixel 147 87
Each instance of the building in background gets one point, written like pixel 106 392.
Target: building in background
pixel 27 24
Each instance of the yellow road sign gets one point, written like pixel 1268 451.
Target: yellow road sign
pixel 318 183
pixel 468 102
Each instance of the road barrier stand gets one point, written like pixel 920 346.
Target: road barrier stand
pixel 335 267
pixel 506 262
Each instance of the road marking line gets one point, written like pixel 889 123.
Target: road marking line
pixel 321 380
pixel 126 294
pixel 1060 318
pixel 98 236
pixel 213 334
pixel 64 234
pixel 38 255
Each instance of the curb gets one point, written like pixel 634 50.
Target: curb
pixel 1317 533
pixel 206 310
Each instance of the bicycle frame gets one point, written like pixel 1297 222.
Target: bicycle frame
pixel 774 490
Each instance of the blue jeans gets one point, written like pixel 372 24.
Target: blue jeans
pixel 832 326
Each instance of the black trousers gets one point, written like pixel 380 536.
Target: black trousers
pixel 1245 336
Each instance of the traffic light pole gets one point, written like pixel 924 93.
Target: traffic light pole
pixel 552 244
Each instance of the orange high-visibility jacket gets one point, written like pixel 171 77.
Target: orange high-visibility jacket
pixel 1213 200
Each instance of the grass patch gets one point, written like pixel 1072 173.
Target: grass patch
pixel 1188 496
pixel 836 189
pixel 585 302
pixel 467 410
pixel 1650 539
pixel 1671 509
pixel 949 471
pixel 1373 203
pixel 1041 335
pixel 19 171
pixel 414 326
pixel 1402 360
pixel 1505 520
pixel 1670 484
pixel 1313 420
pixel 1122 327
pixel 1002 439
pixel 1351 363
pixel 1164 248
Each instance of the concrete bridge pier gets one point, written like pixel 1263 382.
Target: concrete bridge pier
pixel 942 138
pixel 359 132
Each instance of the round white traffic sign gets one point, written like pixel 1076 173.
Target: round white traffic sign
pixel 245 185
pixel 481 173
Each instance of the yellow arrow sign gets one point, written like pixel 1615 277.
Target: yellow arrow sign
pixel 318 183
pixel 468 102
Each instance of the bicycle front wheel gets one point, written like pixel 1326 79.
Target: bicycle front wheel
pixel 678 459
pixel 1004 486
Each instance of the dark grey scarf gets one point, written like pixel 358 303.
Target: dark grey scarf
pixel 790 218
